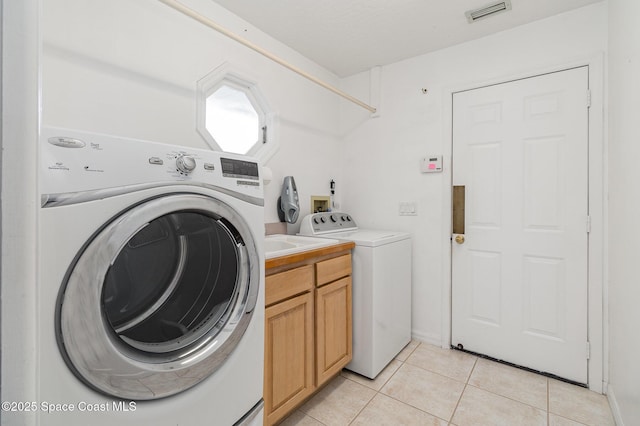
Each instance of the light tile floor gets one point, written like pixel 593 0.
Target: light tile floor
pixel 427 385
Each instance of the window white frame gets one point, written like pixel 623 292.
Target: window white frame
pixel 267 143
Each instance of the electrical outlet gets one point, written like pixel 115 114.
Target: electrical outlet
pixel 407 208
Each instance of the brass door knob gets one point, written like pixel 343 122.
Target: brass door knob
pixel 459 239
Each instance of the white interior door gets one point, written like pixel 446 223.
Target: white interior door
pixel 519 278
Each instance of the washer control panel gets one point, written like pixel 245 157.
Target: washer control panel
pixel 324 223
pixel 77 161
pixel 185 164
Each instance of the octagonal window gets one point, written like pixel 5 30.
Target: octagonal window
pixel 232 120
pixel 233 116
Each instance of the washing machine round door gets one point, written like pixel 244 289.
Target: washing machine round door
pixel 159 298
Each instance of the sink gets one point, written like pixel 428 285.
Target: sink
pixel 270 246
pixel 281 245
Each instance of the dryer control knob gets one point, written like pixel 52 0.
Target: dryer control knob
pixel 185 164
pixel 333 218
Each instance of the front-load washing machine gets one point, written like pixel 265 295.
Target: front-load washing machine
pixel 381 297
pixel 151 288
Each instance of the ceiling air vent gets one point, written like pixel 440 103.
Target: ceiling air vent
pixel 488 10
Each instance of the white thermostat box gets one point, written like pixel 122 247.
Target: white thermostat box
pixel 431 164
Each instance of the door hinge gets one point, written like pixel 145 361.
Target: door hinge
pixel 588 224
pixel 264 134
pixel 588 98
pixel 588 350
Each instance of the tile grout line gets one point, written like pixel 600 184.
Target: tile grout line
pixel 441 374
pixel 412 406
pixel 362 409
pixel 480 387
pixel 466 383
pixel 306 414
pixel 390 396
pixel 411 353
pixel 374 395
pixel 404 402
pixel 548 404
pixel 506 397
pixel 378 390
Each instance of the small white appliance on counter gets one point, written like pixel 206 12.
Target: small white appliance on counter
pixel 381 288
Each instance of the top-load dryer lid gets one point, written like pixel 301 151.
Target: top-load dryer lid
pixel 370 237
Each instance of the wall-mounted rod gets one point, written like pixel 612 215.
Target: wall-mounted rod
pixel 211 24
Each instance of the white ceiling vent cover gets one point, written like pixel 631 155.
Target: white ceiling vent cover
pixel 488 10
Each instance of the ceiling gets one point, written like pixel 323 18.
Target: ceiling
pixel 350 36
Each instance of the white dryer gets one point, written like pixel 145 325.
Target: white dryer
pixel 151 284
pixel 381 288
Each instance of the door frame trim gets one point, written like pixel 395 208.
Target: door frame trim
pixel 597 297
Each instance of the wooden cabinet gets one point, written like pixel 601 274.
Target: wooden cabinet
pixel 333 329
pixel 288 355
pixel 307 326
pixel 332 269
pixel 286 284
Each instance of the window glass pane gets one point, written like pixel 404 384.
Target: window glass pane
pixel 232 120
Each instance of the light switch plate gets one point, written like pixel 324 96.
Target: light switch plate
pixel 407 208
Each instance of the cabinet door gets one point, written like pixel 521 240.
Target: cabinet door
pixel 288 355
pixel 333 328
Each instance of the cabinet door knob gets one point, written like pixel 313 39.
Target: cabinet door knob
pixel 460 239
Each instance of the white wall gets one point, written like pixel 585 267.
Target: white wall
pixel 130 69
pixel 381 161
pixel 624 209
pixel 20 48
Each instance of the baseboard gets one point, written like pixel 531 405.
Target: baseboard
pixel 430 338
pixel 615 408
